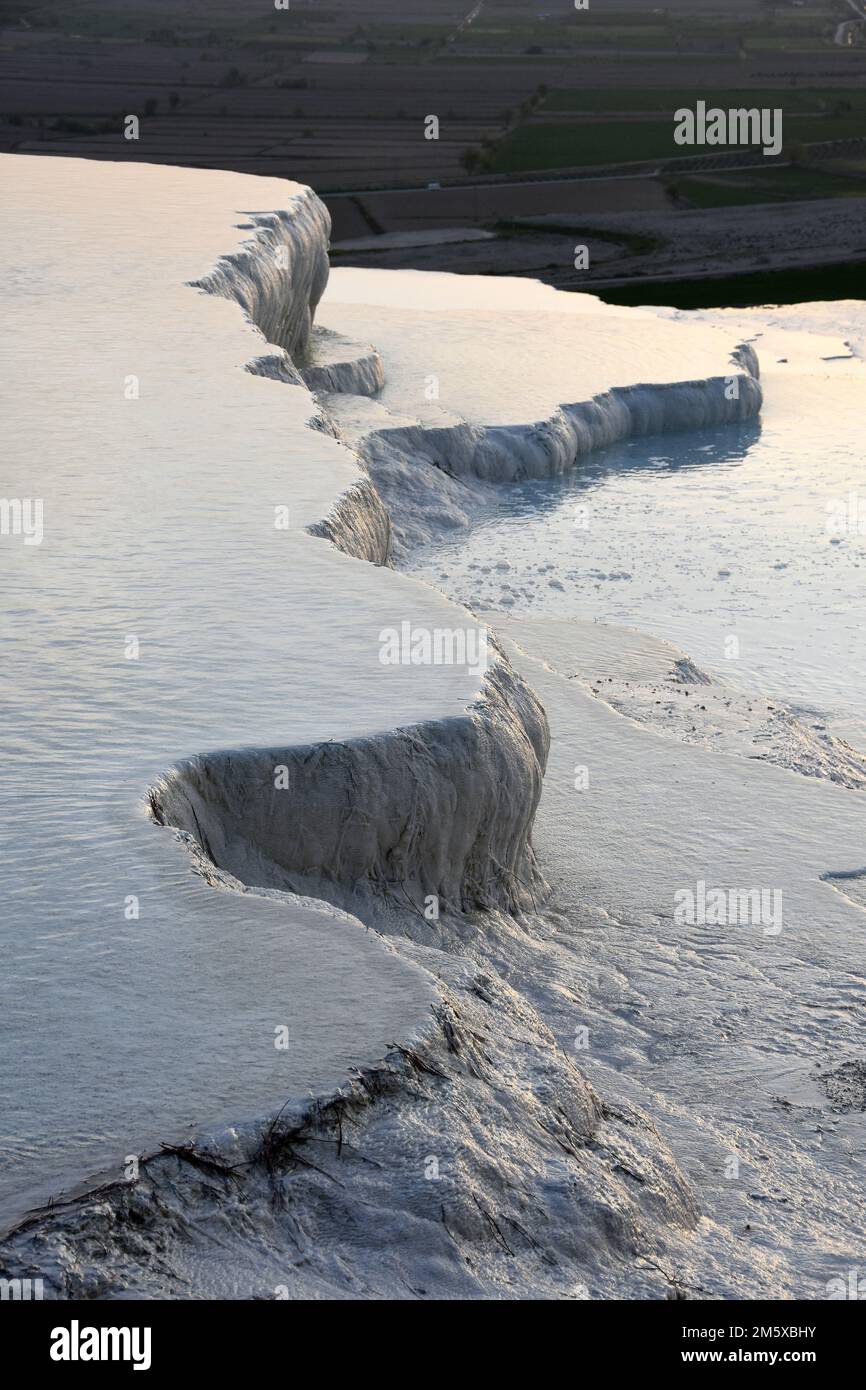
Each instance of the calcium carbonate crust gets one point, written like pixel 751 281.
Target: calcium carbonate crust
pixel 550 1191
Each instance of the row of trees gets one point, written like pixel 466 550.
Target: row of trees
pixel 480 158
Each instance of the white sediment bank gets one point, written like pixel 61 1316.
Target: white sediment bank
pixel 169 611
pixel 506 379
pixel 264 726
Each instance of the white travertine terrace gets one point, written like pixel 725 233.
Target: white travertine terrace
pixel 501 379
pixel 160 461
pixel 167 646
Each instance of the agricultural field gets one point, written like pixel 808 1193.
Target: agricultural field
pixel 339 96
pixel 542 145
pixel 811 101
pixel 828 180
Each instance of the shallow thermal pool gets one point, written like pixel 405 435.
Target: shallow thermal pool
pixel 744 545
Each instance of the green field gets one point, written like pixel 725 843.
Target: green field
pixel 541 146
pixel 793 100
pixel 531 147
pixel 778 185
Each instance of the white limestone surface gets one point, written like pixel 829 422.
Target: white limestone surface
pixel 165 615
pixel 506 351
pixel 174 652
pixel 503 379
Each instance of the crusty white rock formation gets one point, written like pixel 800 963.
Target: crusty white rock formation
pixel 190 650
pixel 502 379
